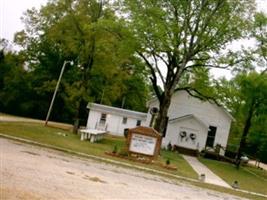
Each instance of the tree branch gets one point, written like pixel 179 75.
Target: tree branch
pixel 161 58
pixel 195 93
pixel 158 70
pixel 196 23
pixel 207 66
pixel 196 46
pixel 213 66
pixel 154 76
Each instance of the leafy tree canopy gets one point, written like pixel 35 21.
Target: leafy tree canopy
pixel 178 37
pixel 88 33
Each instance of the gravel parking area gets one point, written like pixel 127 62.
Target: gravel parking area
pixel 31 172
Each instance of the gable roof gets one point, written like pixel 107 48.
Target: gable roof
pixel 116 111
pixel 153 99
pixel 186 117
pixel 145 131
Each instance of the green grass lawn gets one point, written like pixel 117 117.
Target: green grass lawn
pixel 249 178
pixel 53 136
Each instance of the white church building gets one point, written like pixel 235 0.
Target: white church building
pixel 194 124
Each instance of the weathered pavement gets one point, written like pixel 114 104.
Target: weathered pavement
pixel 31 172
pixel 210 177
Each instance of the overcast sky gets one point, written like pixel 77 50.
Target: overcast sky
pixel 12 10
pixel 10 14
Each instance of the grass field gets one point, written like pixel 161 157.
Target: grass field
pixel 36 131
pixel 249 178
pixel 54 136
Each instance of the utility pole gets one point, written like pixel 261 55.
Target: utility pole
pixel 56 89
pixel 102 96
pixel 123 102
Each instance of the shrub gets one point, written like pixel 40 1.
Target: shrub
pixel 115 149
pixel 168 161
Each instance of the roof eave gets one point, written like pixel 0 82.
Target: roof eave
pixel 129 113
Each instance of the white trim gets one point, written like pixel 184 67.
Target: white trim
pixel 117 111
pixel 181 118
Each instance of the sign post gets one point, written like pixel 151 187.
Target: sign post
pixel 143 142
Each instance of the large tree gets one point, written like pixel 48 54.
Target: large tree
pixel 176 36
pixel 14 81
pixel 87 32
pixel 246 97
pixel 253 102
pixel 259 33
pixel 253 86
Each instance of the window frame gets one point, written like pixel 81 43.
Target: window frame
pixel 211 136
pixel 138 122
pixel 103 118
pixel 124 120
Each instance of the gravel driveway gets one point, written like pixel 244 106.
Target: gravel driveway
pixel 31 172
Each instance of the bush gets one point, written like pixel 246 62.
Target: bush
pixel 115 149
pixel 168 161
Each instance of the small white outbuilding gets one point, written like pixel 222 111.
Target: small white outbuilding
pixel 194 124
pixel 113 120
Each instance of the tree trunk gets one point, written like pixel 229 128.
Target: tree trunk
pixel 163 112
pixel 76 119
pixel 244 135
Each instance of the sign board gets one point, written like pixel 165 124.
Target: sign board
pixel 144 141
pixel 143 144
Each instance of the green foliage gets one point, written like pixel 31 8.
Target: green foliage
pixel 180 39
pixel 244 94
pixel 168 161
pixel 259 32
pixel 105 68
pixel 15 84
pixel 115 149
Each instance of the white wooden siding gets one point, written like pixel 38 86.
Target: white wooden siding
pixel 113 121
pixel 191 126
pixel 183 104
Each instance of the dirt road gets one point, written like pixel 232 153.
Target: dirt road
pixel 30 172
